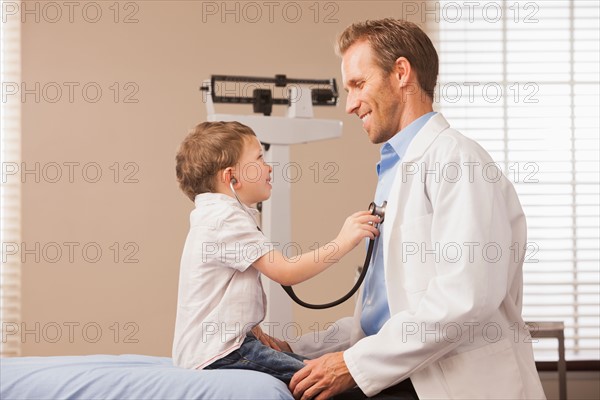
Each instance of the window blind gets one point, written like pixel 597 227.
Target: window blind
pixel 10 190
pixel 522 78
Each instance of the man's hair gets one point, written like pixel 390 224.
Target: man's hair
pixel 209 148
pixel 393 38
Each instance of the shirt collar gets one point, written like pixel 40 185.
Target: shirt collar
pixel 209 198
pixel 394 149
pixel 402 139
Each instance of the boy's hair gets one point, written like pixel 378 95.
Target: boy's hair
pixel 209 148
pixel 393 38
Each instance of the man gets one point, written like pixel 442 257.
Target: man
pixel 439 315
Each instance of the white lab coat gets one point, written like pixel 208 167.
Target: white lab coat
pixel 453 253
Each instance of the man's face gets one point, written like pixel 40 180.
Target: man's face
pixel 373 95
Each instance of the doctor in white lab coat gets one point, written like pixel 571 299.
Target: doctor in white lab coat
pixel 452 245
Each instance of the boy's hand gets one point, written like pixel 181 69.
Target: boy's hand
pixel 357 227
pixel 272 342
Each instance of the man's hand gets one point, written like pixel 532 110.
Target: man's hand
pixel 322 378
pixel 272 342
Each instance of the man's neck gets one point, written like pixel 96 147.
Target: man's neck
pixel 415 112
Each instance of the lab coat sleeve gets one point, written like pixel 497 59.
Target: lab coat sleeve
pixel 462 293
pixel 334 337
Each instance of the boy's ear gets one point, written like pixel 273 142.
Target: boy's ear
pixel 227 176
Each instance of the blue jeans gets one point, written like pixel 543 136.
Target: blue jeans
pixel 256 356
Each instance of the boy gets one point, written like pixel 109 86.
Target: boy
pixel 221 300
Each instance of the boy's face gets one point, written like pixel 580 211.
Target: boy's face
pixel 253 173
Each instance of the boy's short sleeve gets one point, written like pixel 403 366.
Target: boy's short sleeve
pixel 240 242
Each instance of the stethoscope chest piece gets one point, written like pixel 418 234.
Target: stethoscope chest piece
pixel 374 209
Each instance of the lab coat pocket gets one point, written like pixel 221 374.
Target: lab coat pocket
pixel 417 261
pixel 468 374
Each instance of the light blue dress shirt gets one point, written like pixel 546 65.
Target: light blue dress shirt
pixel 376 311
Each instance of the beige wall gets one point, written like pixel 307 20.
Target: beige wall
pixel 158 61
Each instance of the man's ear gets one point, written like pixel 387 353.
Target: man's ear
pixel 402 72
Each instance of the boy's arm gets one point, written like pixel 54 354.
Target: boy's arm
pixel 290 271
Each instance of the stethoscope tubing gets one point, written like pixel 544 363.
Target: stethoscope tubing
pixel 359 281
pixel 375 210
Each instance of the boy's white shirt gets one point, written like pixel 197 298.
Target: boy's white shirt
pixel 220 295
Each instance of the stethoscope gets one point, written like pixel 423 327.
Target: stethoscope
pixel 374 209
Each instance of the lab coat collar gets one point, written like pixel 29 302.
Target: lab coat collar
pixel 425 137
pixel 417 148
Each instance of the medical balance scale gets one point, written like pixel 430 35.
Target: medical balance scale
pixel 277 134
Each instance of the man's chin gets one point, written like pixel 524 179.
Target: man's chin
pixel 375 137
